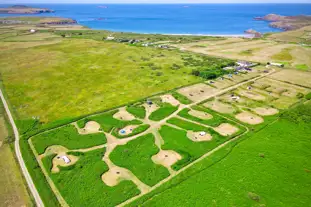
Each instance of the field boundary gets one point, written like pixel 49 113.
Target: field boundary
pixel 24 169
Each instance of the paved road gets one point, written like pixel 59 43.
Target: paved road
pixel 27 176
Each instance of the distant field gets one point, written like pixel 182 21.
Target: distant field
pixel 285 47
pixel 83 76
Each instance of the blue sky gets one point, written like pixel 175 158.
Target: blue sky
pixel 151 1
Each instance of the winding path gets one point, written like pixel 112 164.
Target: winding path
pixel 19 157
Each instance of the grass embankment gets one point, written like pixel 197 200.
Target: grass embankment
pixel 68 137
pixel 271 167
pixel 182 99
pixel 107 122
pixel 81 184
pixel 135 131
pixel 177 140
pixel 215 121
pixel 136 156
pixel 137 111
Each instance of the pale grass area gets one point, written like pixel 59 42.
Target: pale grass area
pixel 12 191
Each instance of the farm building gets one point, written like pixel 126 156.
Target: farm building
pixel 276 64
pixel 32 30
pixel 110 38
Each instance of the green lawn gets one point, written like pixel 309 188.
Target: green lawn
pixel 163 112
pixel 136 156
pixel 178 141
pixel 137 111
pixel 68 137
pixel 81 185
pixel 182 99
pixel 269 168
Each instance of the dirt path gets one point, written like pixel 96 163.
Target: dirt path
pixel 19 157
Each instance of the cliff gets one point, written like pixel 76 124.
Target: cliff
pixel 286 22
pixel 21 9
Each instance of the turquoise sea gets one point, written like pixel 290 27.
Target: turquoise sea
pixel 213 19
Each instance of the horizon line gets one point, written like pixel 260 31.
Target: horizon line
pixel 177 3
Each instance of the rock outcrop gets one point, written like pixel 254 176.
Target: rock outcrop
pixel 254 33
pixel 21 9
pixel 286 22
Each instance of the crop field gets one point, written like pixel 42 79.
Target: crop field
pixel 130 152
pixel 277 47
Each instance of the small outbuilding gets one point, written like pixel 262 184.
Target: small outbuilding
pixel 202 133
pixel 66 159
pixel 110 38
pixel 32 30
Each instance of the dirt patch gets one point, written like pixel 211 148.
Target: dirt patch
pixel 198 92
pixel 167 158
pixel 150 108
pixel 127 130
pixel 252 95
pixel 291 94
pixel 64 160
pixel 199 136
pixel 170 99
pixel 113 176
pixel 123 115
pixel 249 118
pixel 54 149
pixel 226 129
pixel 90 127
pixel 220 107
pixel 200 114
pixel 265 111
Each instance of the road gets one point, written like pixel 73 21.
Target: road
pixel 21 162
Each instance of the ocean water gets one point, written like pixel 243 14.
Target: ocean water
pixel 198 19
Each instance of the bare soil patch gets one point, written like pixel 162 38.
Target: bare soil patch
pixel 90 127
pixel 167 158
pixel 170 99
pixel 200 114
pixel 249 118
pixel 220 107
pixel 123 115
pixel 59 161
pixel 150 108
pixel 198 92
pixel 199 136
pixel 226 129
pixel 127 130
pixel 265 111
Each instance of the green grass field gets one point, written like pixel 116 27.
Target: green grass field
pixel 84 76
pixel 81 184
pixel 270 167
pixel 164 111
pixel 136 156
pixel 135 131
pixel 177 140
pixel 68 137
pixel 137 111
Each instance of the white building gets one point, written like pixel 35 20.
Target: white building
pixel 110 38
pixel 66 159
pixel 32 30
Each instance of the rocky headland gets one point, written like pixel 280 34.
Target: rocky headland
pixel 21 9
pixel 286 22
